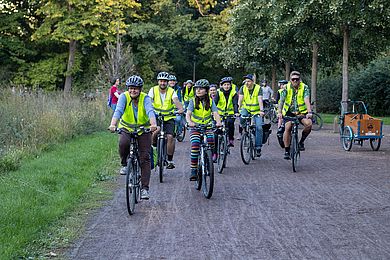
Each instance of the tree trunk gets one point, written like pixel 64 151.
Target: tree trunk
pixel 274 88
pixel 345 62
pixel 118 54
pixel 68 78
pixel 314 72
pixel 287 65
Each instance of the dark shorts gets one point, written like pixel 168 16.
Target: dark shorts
pixel 169 126
pixel 300 117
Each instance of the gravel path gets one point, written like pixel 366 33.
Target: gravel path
pixel 337 206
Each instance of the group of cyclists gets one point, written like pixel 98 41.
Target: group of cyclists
pixel 203 103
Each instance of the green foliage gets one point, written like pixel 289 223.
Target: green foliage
pixel 37 120
pixel 47 189
pixel 329 94
pixel 372 85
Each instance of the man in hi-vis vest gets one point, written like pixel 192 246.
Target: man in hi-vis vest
pixel 165 100
pixel 295 101
pixel 250 100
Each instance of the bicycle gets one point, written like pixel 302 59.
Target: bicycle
pixel 133 171
pixel 317 121
pixel 271 112
pixel 295 154
pixel 205 180
pixel 161 148
pixel 223 148
pixel 180 135
pixel 247 145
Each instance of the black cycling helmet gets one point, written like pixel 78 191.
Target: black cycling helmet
pixel 226 79
pixel 283 81
pixel 163 75
pixel 134 81
pixel 172 78
pixel 213 86
pixel 202 83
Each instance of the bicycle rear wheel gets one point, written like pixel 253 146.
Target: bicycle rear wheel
pixel 180 136
pixel 317 122
pixel 294 152
pixel 221 152
pixel 207 174
pixel 245 148
pixel 161 158
pixel 131 194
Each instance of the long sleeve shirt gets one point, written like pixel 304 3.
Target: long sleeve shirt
pixel 121 106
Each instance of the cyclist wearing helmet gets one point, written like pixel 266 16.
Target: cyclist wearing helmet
pixel 200 111
pixel 250 100
pixel 295 101
pixel 135 109
pixel 282 86
pixel 164 101
pixel 213 90
pixel 172 82
pixel 188 92
pixel 227 103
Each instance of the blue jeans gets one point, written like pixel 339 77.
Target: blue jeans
pixel 259 128
pixel 179 124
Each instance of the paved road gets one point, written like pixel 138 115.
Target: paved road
pixel 337 206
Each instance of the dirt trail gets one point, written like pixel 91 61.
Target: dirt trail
pixel 337 206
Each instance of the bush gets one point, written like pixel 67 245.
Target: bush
pixel 329 94
pixel 36 121
pixel 372 85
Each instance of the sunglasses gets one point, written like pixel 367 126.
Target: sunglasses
pixel 295 79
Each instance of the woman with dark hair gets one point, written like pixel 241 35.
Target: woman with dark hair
pixel 114 94
pixel 199 112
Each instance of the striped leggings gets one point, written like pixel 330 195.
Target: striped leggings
pixel 195 145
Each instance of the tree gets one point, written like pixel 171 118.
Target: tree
pixel 84 21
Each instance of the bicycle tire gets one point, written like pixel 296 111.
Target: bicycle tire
pixel 252 146
pixel 317 122
pixel 375 143
pixel 207 174
pixel 180 137
pixel 226 151
pixel 347 138
pixel 221 153
pixel 161 158
pixel 130 188
pixel 198 183
pixel 294 153
pixel 245 148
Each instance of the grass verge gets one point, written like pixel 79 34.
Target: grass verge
pixel 328 118
pixel 45 203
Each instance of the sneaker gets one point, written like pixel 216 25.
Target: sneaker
pixel 301 146
pixel 193 176
pixel 287 156
pixel 122 171
pixel 215 157
pixel 258 152
pixel 144 194
pixel 231 143
pixel 170 165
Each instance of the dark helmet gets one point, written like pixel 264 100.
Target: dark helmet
pixel 189 82
pixel 134 81
pixel 213 86
pixel 163 75
pixel 226 79
pixel 283 81
pixel 172 78
pixel 249 76
pixel 202 83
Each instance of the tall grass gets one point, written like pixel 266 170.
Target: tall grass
pixel 32 122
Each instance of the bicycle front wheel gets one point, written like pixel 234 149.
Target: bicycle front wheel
pixel 252 146
pixel 161 158
pixel 221 152
pixel 245 148
pixel 131 193
pixel 317 122
pixel 207 174
pixel 294 152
